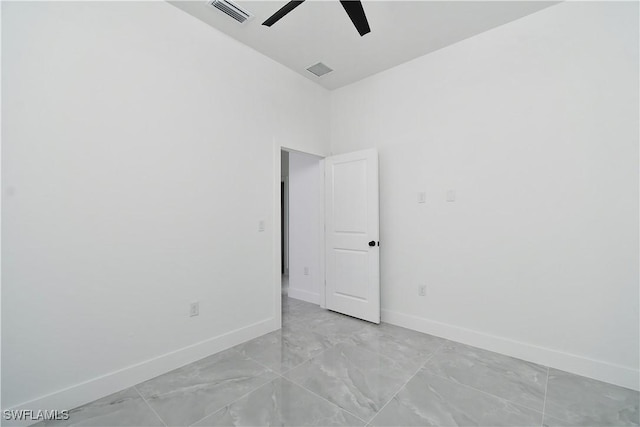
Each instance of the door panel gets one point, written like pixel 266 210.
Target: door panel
pixel 350 197
pixel 352 265
pixel 348 280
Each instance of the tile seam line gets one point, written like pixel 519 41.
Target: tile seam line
pixel 149 406
pixel 370 351
pixel 290 369
pixel 282 375
pixel 253 376
pixel 544 404
pixel 311 391
pixel 231 403
pixel 377 353
pixel 325 399
pixel 405 384
pixel 484 392
pixel 306 360
pixel 367 423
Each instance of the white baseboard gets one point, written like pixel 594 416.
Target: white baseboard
pixel 113 382
pixel 580 365
pixel 307 296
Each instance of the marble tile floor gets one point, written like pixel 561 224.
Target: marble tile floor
pixel 326 369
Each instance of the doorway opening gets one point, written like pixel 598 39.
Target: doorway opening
pixel 284 220
pixel 302 235
pixel 330 222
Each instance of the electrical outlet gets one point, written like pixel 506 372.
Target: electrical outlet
pixel 194 309
pixel 422 290
pixel 306 271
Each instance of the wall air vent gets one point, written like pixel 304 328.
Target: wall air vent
pixel 319 69
pixel 231 9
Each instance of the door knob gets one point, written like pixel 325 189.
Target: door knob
pixel 372 243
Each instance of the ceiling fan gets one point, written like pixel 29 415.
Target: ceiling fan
pixel 353 8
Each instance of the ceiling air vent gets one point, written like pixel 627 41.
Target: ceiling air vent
pixel 319 69
pixel 231 9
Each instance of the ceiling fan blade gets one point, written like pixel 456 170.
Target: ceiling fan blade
pixel 282 12
pixel 356 13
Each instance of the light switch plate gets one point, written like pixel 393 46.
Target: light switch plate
pixel 451 195
pixel 194 309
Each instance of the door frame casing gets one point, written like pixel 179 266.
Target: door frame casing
pixel 277 232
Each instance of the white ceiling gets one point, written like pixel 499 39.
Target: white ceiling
pixel 321 31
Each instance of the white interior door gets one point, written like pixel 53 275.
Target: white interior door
pixel 352 254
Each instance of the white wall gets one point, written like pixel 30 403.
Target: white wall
pixel 138 158
pixel 305 239
pixel 535 125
